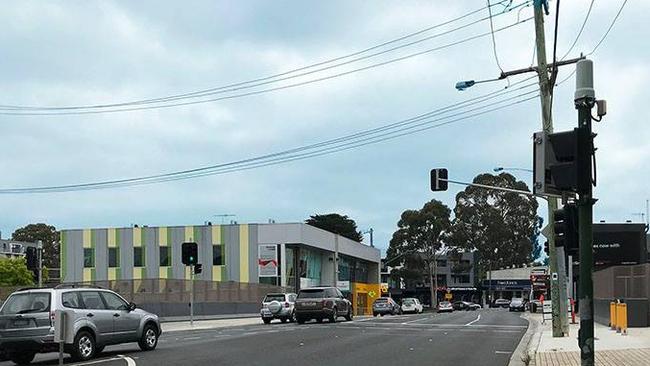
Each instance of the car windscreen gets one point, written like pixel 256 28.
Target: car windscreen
pixel 408 302
pixel 311 294
pixel 445 303
pixel 381 299
pixel 30 302
pixel 517 299
pixel 274 297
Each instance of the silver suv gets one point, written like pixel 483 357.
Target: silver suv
pixel 278 306
pixel 100 317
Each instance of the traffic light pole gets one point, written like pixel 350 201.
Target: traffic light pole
pixel 584 102
pixel 558 299
pixel 192 296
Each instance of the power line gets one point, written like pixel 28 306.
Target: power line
pixel 341 144
pixel 494 42
pixel 555 68
pixel 582 28
pixel 283 75
pixel 263 91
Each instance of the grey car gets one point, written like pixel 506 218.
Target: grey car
pixel 278 306
pixel 97 318
pixel 322 303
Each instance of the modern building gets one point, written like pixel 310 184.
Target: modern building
pixel 512 282
pixel 13 248
pixel 293 255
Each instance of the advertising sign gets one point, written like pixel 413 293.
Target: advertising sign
pixel 267 261
pixel 619 244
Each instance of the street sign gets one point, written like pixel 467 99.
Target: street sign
pixel 448 296
pixel 439 179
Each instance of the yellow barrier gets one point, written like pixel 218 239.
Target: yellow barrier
pixel 612 315
pixel 621 319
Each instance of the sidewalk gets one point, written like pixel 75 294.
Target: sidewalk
pixel 611 348
pixel 178 326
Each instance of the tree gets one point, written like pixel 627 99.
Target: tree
pixel 48 235
pixel 338 224
pixel 419 241
pixel 500 226
pixel 14 272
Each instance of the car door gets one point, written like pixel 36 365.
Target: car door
pixel 341 304
pixel 94 311
pixel 125 323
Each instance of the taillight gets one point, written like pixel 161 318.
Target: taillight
pixel 286 304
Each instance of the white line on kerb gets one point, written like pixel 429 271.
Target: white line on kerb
pixel 474 321
pixel 502 352
pixel 129 360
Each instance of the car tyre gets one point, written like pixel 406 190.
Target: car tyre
pixel 149 339
pixel 266 320
pixel 22 358
pixel 319 320
pixel 332 317
pixel 348 316
pixel 83 348
pixel 284 320
pixel 292 317
pixel 374 314
pixel 300 320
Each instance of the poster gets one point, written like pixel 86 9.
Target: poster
pixel 267 261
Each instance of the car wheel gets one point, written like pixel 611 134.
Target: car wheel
pixel 149 339
pixel 332 318
pixel 292 317
pixel 284 320
pixel 300 320
pixel 374 314
pixel 348 316
pixel 266 320
pixel 83 348
pixel 22 358
pixel 319 320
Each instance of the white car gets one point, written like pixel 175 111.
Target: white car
pixel 278 306
pixel 411 305
pixel 445 306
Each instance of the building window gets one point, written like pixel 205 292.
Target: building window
pixel 165 256
pixel 138 257
pixel 441 263
pixel 89 257
pixel 460 278
pixel 217 255
pixel 113 257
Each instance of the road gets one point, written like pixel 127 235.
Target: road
pixel 484 337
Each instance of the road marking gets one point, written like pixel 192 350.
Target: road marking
pixel 417 320
pixel 97 361
pixel 502 352
pixel 474 321
pixel 129 360
pixel 191 338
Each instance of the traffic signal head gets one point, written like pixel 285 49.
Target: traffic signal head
pixel 31 258
pixel 190 253
pixel 198 268
pixel 565 225
pixel 546 248
pixel 439 179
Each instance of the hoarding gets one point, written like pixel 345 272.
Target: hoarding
pixel 267 261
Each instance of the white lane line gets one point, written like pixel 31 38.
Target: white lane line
pixel 97 361
pixel 418 320
pixel 474 321
pixel 191 338
pixel 129 360
pixel 502 352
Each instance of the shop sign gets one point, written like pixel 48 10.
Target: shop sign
pixel 343 285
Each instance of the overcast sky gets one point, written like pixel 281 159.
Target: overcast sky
pixel 60 53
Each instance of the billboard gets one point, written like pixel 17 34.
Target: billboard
pixel 616 244
pixel 267 261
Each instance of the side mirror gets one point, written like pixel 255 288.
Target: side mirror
pixel 132 306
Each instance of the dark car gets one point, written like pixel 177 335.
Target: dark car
pixel 517 304
pixel 465 305
pixel 385 305
pixel 320 303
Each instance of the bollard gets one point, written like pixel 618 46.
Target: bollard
pixel 623 318
pixel 612 315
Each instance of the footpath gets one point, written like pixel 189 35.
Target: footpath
pixel 539 348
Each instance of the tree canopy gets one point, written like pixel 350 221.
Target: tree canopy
pixel 338 224
pixel 501 226
pixel 46 233
pixel 14 272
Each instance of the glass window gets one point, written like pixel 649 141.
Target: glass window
pixel 339 293
pixel 89 257
pixel 217 255
pixel 138 256
pixel 311 294
pixel 34 302
pixel 71 300
pixel 114 302
pixel 165 257
pixel 274 297
pixel 91 300
pixel 113 257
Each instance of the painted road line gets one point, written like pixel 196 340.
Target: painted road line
pixel 418 320
pixel 129 360
pixel 502 352
pixel 94 362
pixel 191 338
pixel 474 321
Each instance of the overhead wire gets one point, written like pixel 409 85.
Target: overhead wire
pixel 275 88
pixel 582 28
pixel 340 144
pixel 494 42
pixel 31 110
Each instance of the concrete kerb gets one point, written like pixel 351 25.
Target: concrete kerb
pixel 524 354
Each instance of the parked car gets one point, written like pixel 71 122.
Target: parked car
pixel 100 317
pixel 411 305
pixel 320 303
pixel 445 306
pixel 465 305
pixel 517 304
pixel 385 305
pixel 501 303
pixel 278 306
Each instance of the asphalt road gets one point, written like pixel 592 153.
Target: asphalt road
pixel 484 337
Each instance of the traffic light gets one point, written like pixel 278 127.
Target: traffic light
pixel 565 225
pixel 190 253
pixel 439 179
pixel 562 161
pixel 546 248
pixel 31 258
pixel 198 268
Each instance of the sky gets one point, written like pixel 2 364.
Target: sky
pixel 63 53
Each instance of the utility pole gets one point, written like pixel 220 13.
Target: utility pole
pixel 558 297
pixel 40 263
pixel 584 101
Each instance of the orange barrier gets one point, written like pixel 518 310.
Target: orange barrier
pixel 612 315
pixel 621 319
